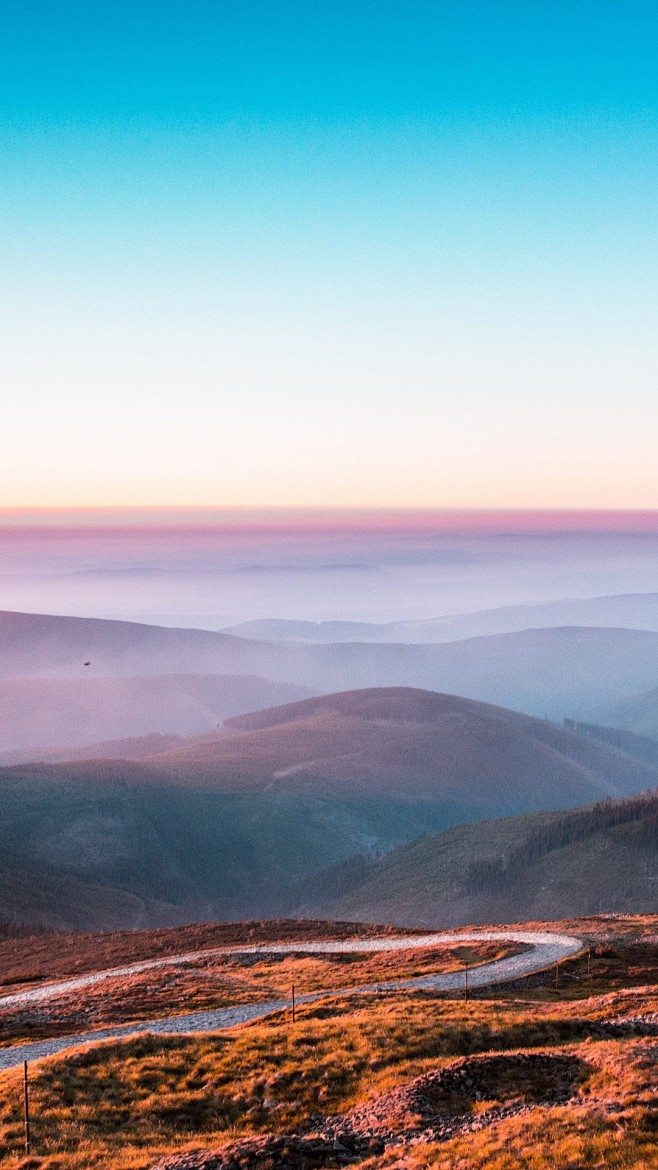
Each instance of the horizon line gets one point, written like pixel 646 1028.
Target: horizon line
pixel 309 518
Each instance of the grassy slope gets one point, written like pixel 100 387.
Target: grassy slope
pixel 544 865
pixel 122 1105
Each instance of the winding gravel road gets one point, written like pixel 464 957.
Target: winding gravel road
pixel 545 948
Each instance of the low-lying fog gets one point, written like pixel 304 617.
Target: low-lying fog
pixel 216 574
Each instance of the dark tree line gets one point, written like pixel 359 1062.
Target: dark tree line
pixel 570 828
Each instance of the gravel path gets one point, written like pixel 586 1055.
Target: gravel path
pixel 545 949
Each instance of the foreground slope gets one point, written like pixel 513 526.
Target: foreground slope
pixel 549 1077
pixel 237 823
pixel 559 671
pixel 592 860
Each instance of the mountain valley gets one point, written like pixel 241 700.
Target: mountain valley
pixel 237 822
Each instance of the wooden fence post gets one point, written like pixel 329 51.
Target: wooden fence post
pixel 26 1104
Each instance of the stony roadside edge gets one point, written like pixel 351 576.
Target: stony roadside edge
pixel 546 948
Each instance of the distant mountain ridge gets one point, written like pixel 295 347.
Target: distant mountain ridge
pixel 562 671
pixel 637 611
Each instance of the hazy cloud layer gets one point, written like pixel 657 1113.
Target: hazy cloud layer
pixel 213 573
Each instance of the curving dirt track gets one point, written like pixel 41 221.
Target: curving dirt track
pixel 544 949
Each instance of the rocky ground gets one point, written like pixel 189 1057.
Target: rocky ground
pixel 461 1098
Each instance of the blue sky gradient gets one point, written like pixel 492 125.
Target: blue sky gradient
pixel 329 253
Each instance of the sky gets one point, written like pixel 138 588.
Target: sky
pixel 337 254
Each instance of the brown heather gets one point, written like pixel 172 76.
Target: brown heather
pixel 217 981
pixel 124 1105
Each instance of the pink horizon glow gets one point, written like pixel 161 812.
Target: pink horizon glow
pixel 264 520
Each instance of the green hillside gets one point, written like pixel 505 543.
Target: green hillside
pixel 600 859
pixel 280 807
pixel 85 851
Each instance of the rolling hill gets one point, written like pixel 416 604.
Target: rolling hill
pixel 470 757
pixel 554 865
pixel 562 671
pixel 235 822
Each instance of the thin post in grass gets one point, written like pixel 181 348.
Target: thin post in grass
pixel 292 997
pixel 26 1108
pixel 465 984
pixel 589 962
pixel 557 976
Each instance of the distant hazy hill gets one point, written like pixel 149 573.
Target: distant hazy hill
pixel 288 630
pixel 235 822
pixel 135 747
pixel 636 713
pixel 41 714
pixel 563 671
pixel 637 611
pixel 547 865
pixel 71 647
pixel 641 747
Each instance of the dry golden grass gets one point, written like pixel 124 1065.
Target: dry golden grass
pixel 118 1105
pixel 216 981
pixel 121 1105
pixel 611 1125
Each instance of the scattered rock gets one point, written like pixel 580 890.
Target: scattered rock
pixel 433 1107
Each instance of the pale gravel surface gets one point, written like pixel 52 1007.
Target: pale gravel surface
pixel 546 948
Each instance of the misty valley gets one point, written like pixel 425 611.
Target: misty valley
pixel 286 891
